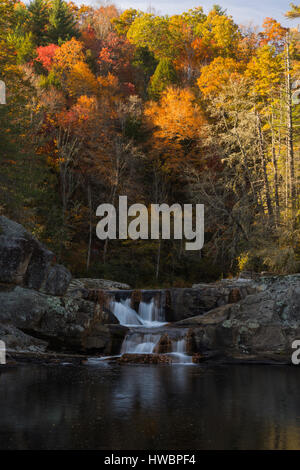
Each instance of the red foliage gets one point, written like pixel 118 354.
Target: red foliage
pixel 115 57
pixel 45 55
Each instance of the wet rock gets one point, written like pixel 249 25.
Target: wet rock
pixel 144 359
pixel 164 345
pixel 106 339
pixel 198 358
pixel 106 317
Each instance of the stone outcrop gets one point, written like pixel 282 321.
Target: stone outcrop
pixel 25 261
pixel 63 322
pixel 186 303
pixel 38 309
pixel 261 324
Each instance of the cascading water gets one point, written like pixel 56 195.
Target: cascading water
pixel 179 351
pixel 149 315
pixel 124 313
pixel 145 328
pixel 140 343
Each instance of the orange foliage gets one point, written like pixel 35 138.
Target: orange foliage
pixel 273 33
pixel 68 55
pixel 81 81
pixel 179 127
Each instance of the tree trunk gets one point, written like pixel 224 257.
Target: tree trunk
pixel 90 227
pixel 264 167
pixel 290 138
pixel 275 166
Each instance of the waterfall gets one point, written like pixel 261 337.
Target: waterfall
pixel 149 315
pixel 144 327
pixel 126 315
pixel 140 343
pixel 179 351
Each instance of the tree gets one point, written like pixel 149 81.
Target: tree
pixel 115 57
pixel 219 32
pixel 101 20
pixel 62 25
pixel 38 20
pixel 45 55
pixel 164 75
pixel 217 74
pixel 145 64
pixel 153 32
pixel 294 12
pixel 273 34
pixel 125 20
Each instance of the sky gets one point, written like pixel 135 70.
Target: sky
pixel 243 12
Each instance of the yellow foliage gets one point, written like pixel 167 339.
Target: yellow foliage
pixel 217 74
pixel 265 70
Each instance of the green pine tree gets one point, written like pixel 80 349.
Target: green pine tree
pixel 164 75
pixel 38 19
pixel 62 25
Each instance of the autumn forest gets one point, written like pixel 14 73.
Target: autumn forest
pixel 190 108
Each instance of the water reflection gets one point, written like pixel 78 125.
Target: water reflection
pixel 150 407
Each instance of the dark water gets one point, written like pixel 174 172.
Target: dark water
pixel 150 407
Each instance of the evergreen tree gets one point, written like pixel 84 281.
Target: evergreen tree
pixel 146 64
pixel 38 20
pixel 164 75
pixel 62 25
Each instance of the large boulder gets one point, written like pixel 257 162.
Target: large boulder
pixel 186 303
pixel 25 261
pixel 64 322
pixel 266 322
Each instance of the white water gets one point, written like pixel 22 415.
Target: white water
pixel 149 316
pixel 150 313
pixel 140 343
pixel 179 351
pixel 125 314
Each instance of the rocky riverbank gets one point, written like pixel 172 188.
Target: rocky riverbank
pixel 43 311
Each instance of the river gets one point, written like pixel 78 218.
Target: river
pixel 130 407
